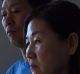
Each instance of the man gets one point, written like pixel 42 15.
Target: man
pixel 13 14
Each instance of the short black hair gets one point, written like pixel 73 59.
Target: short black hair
pixel 37 3
pixel 63 17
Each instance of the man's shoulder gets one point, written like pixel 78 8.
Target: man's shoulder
pixel 19 67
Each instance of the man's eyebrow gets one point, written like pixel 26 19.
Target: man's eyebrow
pixel 15 4
pixel 12 5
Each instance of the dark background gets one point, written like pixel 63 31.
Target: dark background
pixel 8 52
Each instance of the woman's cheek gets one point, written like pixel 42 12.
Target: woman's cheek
pixel 41 53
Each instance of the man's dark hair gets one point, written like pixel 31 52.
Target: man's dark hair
pixel 63 17
pixel 37 3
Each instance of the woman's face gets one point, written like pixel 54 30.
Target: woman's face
pixel 46 53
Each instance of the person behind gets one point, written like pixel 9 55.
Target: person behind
pixel 53 39
pixel 13 14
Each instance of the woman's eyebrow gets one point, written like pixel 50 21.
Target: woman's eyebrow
pixel 37 32
pixel 34 34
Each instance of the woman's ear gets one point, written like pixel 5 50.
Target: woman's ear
pixel 72 43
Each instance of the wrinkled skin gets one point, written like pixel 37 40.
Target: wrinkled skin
pixel 13 15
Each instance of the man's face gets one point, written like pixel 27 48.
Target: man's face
pixel 13 15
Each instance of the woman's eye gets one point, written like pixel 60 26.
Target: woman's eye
pixel 24 51
pixel 37 41
pixel 27 44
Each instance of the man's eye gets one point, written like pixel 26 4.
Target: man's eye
pixel 14 10
pixel 3 13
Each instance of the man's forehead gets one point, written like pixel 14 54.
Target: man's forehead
pixel 12 2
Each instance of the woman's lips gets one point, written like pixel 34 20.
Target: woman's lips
pixel 33 66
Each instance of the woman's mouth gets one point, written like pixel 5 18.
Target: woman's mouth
pixel 33 66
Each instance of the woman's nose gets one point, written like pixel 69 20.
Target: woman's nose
pixel 30 52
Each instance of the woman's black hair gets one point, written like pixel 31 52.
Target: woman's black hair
pixel 64 18
pixel 62 15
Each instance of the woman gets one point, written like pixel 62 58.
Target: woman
pixel 52 37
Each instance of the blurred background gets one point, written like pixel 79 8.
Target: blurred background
pixel 9 54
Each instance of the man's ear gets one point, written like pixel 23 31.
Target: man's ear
pixel 72 43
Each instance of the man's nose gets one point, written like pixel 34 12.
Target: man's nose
pixel 9 20
pixel 30 52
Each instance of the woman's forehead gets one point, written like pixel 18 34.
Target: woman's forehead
pixel 37 26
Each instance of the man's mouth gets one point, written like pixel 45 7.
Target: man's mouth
pixel 11 31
